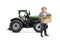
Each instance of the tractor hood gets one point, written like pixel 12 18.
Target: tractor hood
pixel 34 17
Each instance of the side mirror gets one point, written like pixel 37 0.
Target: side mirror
pixel 29 12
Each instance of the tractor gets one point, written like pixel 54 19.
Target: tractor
pixel 25 21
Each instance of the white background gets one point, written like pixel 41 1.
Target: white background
pixel 9 9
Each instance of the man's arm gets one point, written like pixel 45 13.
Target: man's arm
pixel 40 16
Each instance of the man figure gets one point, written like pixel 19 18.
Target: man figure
pixel 43 25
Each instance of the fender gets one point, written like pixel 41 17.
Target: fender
pixel 37 21
pixel 16 19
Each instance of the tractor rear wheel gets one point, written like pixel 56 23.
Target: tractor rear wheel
pixel 16 26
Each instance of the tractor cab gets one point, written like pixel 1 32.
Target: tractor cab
pixel 24 14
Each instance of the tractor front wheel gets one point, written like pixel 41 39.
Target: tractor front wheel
pixel 37 27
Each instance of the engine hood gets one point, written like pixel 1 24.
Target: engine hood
pixel 34 17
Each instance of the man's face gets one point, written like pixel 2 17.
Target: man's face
pixel 44 10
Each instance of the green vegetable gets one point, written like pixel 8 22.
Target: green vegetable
pixel 44 17
pixel 49 15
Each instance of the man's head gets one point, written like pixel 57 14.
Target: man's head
pixel 44 9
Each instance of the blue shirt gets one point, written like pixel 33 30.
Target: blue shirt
pixel 42 14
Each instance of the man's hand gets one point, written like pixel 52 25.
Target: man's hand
pixel 40 18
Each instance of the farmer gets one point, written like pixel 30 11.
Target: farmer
pixel 43 25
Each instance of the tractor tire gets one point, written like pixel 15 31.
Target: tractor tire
pixel 16 26
pixel 37 27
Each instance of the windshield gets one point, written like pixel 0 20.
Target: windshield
pixel 23 14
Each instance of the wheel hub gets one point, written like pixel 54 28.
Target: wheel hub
pixel 16 26
pixel 38 26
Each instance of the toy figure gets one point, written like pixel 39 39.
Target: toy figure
pixel 43 25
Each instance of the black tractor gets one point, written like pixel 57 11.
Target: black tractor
pixel 25 21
